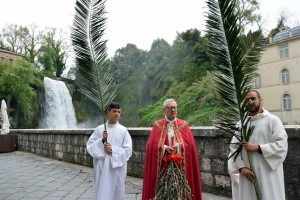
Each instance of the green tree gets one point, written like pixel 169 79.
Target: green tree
pixel 281 24
pixel 14 37
pixel 198 103
pixel 52 53
pixel 158 71
pixel 189 58
pixel 32 42
pixel 18 84
pixel 126 61
pixel 246 12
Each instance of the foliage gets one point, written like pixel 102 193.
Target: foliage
pixel 149 114
pixel 18 85
pixel 189 52
pixel 95 79
pixel 15 37
pixel 245 10
pixel 126 61
pixel 86 113
pixel 33 40
pixel 42 49
pixel 128 67
pixel 235 58
pixel 162 69
pixel 158 71
pixel 147 79
pixel 52 53
pixel 172 184
pixel 197 103
pixel 281 25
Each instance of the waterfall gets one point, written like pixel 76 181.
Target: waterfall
pixel 58 111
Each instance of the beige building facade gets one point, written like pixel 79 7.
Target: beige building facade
pixel 8 56
pixel 278 76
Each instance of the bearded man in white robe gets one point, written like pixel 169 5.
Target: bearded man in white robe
pixel 268 146
pixel 110 148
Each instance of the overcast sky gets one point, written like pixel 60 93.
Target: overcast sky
pixel 133 21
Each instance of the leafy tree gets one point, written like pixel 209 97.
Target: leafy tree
pixel 18 82
pixel 281 24
pixel 246 13
pixel 52 53
pixel 158 71
pixel 190 59
pixel 163 68
pixel 128 65
pixel 198 103
pixel 126 61
pixel 15 37
pixel 47 49
pixel 32 42
pixel 2 42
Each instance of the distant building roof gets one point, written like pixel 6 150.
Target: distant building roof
pixel 10 52
pixel 283 35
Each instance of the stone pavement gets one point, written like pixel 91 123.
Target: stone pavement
pixel 26 176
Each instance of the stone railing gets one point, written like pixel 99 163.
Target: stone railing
pixel 70 146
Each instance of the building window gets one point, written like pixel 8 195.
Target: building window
pixel 257 80
pixel 11 60
pixel 2 59
pixel 283 51
pixel 285 77
pixel 286 102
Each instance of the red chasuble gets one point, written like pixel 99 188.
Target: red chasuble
pixel 154 162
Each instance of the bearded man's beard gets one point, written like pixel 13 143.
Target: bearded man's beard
pixel 254 109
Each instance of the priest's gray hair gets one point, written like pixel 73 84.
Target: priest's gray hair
pixel 167 101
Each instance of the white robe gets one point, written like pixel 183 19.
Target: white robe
pixel 110 169
pixel 270 134
pixel 234 176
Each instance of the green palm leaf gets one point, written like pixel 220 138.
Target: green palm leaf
pixel 94 76
pixel 235 58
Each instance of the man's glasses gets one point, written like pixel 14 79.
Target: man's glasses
pixel 171 108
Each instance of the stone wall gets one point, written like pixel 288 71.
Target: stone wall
pixel 70 146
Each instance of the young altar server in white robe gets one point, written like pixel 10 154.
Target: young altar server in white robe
pixel 110 149
pixel 268 146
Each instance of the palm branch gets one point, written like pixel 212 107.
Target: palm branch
pixel 95 79
pixel 235 58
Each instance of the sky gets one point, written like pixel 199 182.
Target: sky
pixel 134 21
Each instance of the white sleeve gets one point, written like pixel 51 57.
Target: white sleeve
pixel 276 151
pixel 237 163
pixel 120 155
pixel 95 145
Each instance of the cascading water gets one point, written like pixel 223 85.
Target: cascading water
pixel 58 111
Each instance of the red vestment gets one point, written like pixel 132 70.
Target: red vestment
pixel 153 161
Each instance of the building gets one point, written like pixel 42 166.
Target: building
pixel 8 56
pixel 278 76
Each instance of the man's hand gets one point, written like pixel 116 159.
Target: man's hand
pixel 104 135
pixel 248 174
pixel 169 149
pixel 250 146
pixel 108 148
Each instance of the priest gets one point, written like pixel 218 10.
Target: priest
pixel 164 132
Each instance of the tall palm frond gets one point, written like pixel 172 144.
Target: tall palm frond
pixel 235 58
pixel 95 78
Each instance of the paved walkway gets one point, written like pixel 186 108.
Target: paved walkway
pixel 26 176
